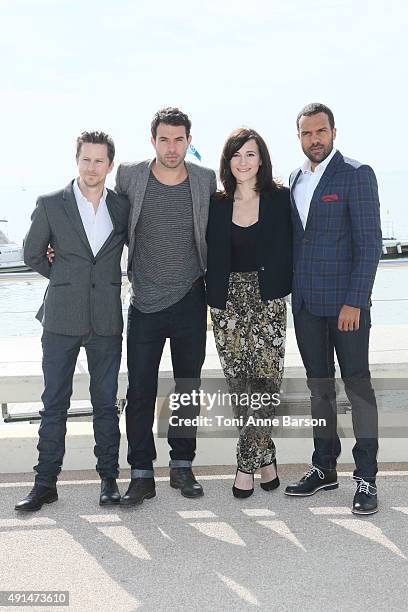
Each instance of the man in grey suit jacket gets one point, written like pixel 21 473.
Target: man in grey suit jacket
pixel 86 225
pixel 167 261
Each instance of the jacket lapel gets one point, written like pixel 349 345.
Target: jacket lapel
pixel 263 229
pixel 228 208
pixel 140 185
pixel 321 186
pixel 195 197
pixel 71 208
pixel 111 211
pixel 293 203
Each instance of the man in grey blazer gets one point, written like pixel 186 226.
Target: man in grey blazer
pixel 86 225
pixel 167 260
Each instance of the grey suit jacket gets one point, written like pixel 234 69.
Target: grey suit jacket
pixel 131 180
pixel 83 294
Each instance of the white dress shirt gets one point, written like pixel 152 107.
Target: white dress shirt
pixel 97 225
pixel 306 184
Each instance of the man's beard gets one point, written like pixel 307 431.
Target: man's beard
pixel 98 181
pixel 171 164
pixel 320 154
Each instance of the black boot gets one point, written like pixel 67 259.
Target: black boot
pixel 38 496
pixel 365 498
pixel 109 492
pixel 139 490
pixel 183 478
pixel 314 480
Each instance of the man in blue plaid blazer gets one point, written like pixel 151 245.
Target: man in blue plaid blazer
pixel 337 246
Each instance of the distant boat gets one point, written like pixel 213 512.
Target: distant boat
pixel 11 254
pixel 392 248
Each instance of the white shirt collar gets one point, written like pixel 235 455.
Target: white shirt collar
pixel 80 196
pixel 320 168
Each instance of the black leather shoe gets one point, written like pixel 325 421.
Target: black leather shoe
pixel 139 490
pixel 314 480
pixel 242 493
pixel 183 478
pixel 38 496
pixel 365 498
pixel 109 492
pixel 272 484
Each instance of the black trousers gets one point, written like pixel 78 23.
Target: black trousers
pixel 185 323
pixel 317 338
pixel 60 355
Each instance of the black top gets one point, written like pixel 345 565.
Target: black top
pixel 243 247
pixel 273 247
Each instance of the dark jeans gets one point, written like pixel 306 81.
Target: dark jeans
pixel 60 355
pixel 185 323
pixel 317 338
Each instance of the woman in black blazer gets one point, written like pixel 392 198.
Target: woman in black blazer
pixel 249 272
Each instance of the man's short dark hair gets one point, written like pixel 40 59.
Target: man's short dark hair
pixel 170 116
pixel 313 109
pixel 96 138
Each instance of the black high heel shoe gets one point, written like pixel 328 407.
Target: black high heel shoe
pixel 272 484
pixel 242 493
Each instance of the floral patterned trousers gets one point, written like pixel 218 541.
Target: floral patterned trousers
pixel 250 338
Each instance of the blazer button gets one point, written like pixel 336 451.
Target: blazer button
pixel 93 285
pixel 306 241
pixel 262 269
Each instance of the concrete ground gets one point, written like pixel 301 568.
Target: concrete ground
pixel 217 553
pixel 269 552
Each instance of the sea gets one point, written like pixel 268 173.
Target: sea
pixel 21 295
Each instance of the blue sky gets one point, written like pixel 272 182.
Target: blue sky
pixel 70 65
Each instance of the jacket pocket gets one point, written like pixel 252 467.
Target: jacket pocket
pixel 60 284
pixel 116 284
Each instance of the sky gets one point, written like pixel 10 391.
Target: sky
pixel 67 66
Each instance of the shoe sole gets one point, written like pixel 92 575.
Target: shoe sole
pixel 174 486
pixel 364 513
pixel 110 503
pixel 329 487
pixel 240 496
pixel 50 501
pixel 265 487
pixel 137 503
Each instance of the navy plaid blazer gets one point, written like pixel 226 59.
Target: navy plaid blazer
pixel 337 254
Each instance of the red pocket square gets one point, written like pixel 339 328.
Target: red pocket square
pixel 332 197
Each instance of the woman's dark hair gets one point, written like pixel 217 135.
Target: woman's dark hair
pixel 264 178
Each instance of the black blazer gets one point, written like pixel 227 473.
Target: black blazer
pixel 274 247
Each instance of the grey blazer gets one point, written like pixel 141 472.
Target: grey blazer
pixel 131 180
pixel 84 291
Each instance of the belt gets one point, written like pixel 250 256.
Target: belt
pixel 198 281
